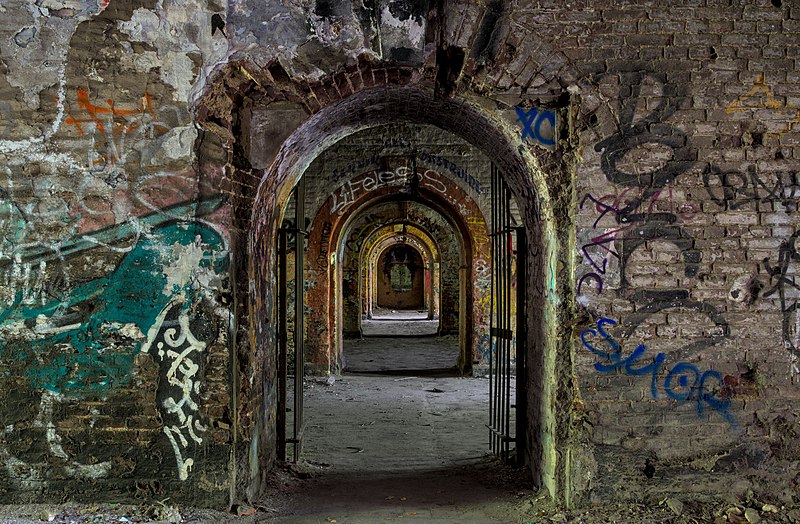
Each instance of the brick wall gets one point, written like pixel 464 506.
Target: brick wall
pixel 114 331
pixel 685 240
pixel 662 142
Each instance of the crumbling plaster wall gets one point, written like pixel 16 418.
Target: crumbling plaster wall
pixel 114 328
pixel 671 189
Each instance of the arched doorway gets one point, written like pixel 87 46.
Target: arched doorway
pixel 365 109
pixel 390 236
pixel 338 233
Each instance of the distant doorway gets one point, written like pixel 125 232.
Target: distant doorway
pixel 401 279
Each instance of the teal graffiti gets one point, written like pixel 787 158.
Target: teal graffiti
pixel 86 351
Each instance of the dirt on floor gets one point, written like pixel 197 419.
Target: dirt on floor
pixel 407 447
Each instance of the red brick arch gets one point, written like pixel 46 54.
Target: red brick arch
pixel 329 227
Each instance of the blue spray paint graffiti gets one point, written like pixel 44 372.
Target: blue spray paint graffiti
pixel 485 346
pixel 532 120
pixel 684 381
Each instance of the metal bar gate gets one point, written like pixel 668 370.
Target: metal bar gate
pixel 507 332
pixel 296 236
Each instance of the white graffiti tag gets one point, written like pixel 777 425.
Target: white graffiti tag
pixel 176 349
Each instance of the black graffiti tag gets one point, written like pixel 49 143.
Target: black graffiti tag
pixel 784 284
pixel 640 223
pixel 648 129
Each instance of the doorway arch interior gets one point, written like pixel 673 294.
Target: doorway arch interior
pixel 407 186
pixel 381 106
pixel 389 236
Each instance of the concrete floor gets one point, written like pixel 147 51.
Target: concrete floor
pixel 400 447
pixel 404 355
pixel 399 323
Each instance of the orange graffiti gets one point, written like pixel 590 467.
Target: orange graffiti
pixel 115 123
pixel 760 97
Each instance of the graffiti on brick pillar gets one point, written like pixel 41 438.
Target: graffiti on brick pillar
pixel 683 383
pixel 325 245
pixel 636 131
pixel 538 125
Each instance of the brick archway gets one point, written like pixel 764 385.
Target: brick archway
pixel 386 235
pixel 465 117
pixel 331 225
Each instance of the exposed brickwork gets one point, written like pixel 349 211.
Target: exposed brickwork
pixel 662 230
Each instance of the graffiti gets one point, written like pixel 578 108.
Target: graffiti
pixel 636 131
pixel 652 301
pixel 591 276
pixel 118 129
pixel 85 342
pixel 124 303
pixel 175 347
pixel 351 191
pixel 483 274
pixel 478 229
pixel 645 210
pixel 783 282
pixel 325 244
pixel 683 383
pixel 472 183
pixel 739 189
pixel 652 218
pixel 375 161
pixel 532 121
pixel 27 473
pixel 484 346
pixel 760 97
pixel 397 142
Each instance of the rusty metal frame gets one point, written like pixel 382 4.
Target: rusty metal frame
pixel 299 233
pixel 507 334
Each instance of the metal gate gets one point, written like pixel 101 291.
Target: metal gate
pixel 507 355
pixel 292 234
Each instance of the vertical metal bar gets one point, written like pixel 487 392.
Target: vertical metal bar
pixel 522 335
pixel 504 322
pixel 299 315
pixel 498 406
pixel 501 316
pixel 498 227
pixel 493 310
pixel 507 377
pixel 282 346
